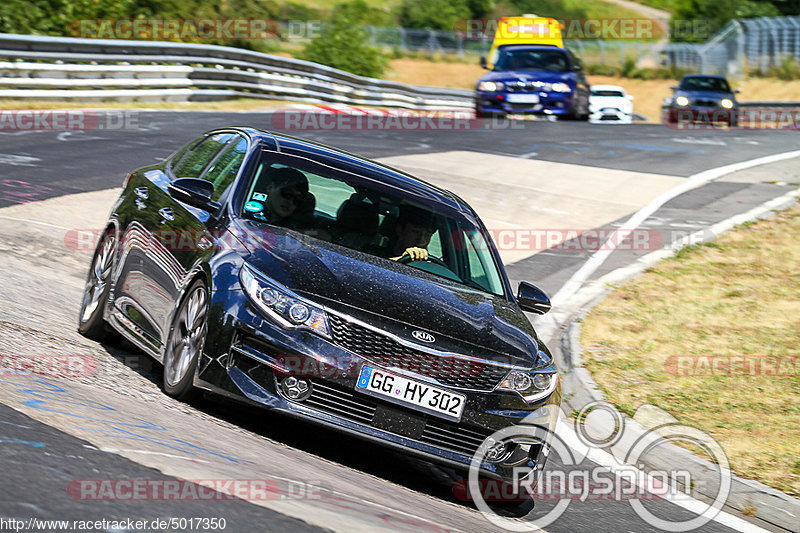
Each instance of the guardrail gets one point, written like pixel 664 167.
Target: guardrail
pixel 37 67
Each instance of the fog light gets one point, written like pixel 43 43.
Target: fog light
pixel 495 450
pixel 295 389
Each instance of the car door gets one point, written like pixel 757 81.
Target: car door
pixel 182 236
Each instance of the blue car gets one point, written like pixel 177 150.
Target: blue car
pixel 536 80
pixel 702 98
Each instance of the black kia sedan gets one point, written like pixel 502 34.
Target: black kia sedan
pixel 310 281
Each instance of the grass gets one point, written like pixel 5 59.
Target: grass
pixel 736 296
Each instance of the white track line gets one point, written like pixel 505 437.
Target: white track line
pixel 599 257
pixel 606 460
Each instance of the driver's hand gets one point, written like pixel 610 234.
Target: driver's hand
pixel 416 254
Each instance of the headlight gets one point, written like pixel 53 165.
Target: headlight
pixel 490 86
pixel 285 308
pixel 531 385
pixel 727 103
pixel 560 87
pixel 682 101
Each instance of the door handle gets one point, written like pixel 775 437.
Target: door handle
pixel 167 214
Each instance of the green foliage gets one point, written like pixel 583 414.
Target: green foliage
pixel 51 17
pixel 343 43
pixel 716 13
pixel 559 9
pixel 433 14
pixel 787 70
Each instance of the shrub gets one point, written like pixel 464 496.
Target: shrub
pixel 343 43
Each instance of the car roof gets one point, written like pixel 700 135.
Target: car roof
pixel 412 186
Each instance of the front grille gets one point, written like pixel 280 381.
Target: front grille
pixel 706 103
pixel 340 402
pixel 386 352
pixel 453 437
pixel 526 86
pixel 349 405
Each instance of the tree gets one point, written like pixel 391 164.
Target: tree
pixel 343 42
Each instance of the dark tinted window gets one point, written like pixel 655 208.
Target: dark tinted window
pixel 705 84
pixel 224 169
pixel 195 161
pixel 606 92
pixel 528 59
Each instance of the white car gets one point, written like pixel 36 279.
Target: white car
pixel 610 103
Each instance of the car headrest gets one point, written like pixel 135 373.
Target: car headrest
pixel 357 214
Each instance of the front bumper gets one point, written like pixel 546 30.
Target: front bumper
pixel 248 356
pixel 496 103
pixel 610 115
pixel 694 114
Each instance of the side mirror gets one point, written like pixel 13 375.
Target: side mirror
pixel 195 192
pixel 629 97
pixel 737 91
pixel 483 63
pixel 674 87
pixel 532 299
pixel 577 68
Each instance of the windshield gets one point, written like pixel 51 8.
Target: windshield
pixel 606 92
pixel 717 85
pixel 532 59
pixel 367 215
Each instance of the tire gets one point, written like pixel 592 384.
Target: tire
pixel 185 343
pixel 91 323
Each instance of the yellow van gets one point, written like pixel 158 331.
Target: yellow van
pixel 527 29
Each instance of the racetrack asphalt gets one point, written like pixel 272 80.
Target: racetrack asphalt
pixel 376 489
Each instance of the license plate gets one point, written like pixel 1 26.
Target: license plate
pixel 404 391
pixel 523 98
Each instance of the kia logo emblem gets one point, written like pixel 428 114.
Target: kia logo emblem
pixel 423 336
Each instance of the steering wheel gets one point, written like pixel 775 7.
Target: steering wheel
pixel 431 259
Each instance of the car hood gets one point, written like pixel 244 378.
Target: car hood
pixel 394 297
pixel 529 75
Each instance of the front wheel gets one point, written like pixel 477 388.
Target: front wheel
pixel 91 323
pixel 185 343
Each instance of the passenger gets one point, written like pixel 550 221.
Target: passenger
pixel 413 231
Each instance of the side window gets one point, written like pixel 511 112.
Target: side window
pixel 224 169
pixel 181 153
pixel 195 161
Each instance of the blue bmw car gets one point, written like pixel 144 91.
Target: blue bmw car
pixel 302 279
pixel 533 79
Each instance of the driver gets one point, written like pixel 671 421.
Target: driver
pixel 288 198
pixel 413 231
